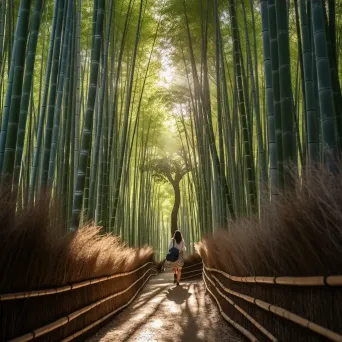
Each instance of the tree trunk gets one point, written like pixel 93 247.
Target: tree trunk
pixel 176 205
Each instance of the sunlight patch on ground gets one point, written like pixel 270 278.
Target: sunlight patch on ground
pixel 140 316
pixel 157 313
pixel 145 336
pixel 157 323
pixel 174 308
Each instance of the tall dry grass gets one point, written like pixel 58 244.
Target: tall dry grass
pixel 192 259
pixel 299 234
pixel 37 253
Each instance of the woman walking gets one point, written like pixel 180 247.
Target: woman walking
pixel 177 242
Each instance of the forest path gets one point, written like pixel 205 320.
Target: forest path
pixel 164 312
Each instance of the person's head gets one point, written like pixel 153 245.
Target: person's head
pixel 178 236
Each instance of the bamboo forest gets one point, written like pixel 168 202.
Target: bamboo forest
pixel 170 170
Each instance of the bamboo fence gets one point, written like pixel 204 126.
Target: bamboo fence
pixel 335 280
pixel 192 276
pixel 199 263
pixel 64 320
pixel 281 312
pixel 197 271
pixel 236 325
pixel 243 312
pixel 80 332
pixel 39 293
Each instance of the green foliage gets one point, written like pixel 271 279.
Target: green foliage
pixel 223 94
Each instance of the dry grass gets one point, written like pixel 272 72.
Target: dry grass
pixel 36 253
pixel 192 259
pixel 300 234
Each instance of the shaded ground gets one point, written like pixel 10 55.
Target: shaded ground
pixel 166 313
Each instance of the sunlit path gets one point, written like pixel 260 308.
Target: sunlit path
pixel 165 313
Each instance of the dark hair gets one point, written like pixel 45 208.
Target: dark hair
pixel 178 236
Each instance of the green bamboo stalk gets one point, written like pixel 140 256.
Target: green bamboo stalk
pixel 36 157
pixel 100 119
pixel 88 120
pixel 28 82
pixel 7 106
pixel 21 36
pixel 325 94
pixel 126 115
pixel 286 101
pixel 276 88
pixel 242 109
pixel 310 99
pixel 221 205
pixel 52 95
pixel 63 71
pixel 335 82
pixel 255 92
pixel 272 148
pixel 78 86
pixel 2 31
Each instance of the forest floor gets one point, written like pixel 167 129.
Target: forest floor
pixel 164 312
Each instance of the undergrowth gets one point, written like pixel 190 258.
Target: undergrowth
pixel 298 234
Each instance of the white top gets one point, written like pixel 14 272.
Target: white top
pixel 180 246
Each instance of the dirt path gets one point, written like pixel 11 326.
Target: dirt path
pixel 166 313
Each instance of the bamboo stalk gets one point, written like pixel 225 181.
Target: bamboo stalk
pixel 64 320
pixel 284 313
pixel 335 280
pixel 40 293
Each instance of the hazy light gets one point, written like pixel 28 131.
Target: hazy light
pixel 166 72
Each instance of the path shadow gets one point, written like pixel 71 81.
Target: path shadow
pixel 189 325
pixel 178 294
pixel 190 328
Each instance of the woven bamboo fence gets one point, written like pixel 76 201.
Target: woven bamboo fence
pixel 192 271
pixel 279 308
pixel 67 312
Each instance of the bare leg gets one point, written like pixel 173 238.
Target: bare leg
pixel 174 275
pixel 179 273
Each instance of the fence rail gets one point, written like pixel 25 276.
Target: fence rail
pixel 66 288
pixel 99 321
pixel 199 263
pixel 243 312
pixel 279 311
pixel 236 325
pixel 191 276
pixel 64 320
pixel 335 280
